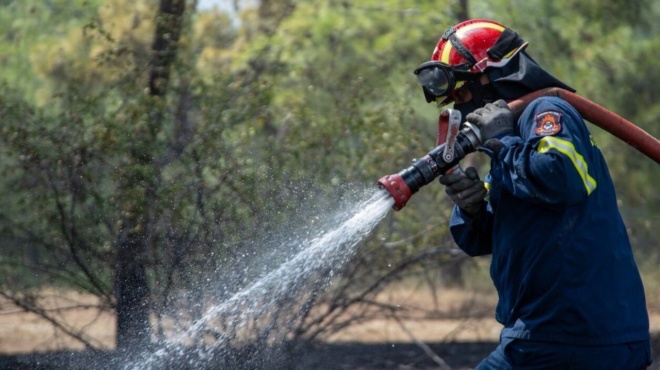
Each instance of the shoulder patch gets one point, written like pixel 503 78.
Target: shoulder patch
pixel 547 123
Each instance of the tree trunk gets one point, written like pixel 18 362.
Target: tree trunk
pixel 169 25
pixel 131 284
pixel 462 13
pixel 132 294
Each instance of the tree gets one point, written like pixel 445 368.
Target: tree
pixel 105 163
pixel 131 285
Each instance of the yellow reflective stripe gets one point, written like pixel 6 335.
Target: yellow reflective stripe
pixel 445 52
pixel 461 32
pixel 568 149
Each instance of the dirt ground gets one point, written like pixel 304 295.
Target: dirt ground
pixel 321 356
pixel 29 342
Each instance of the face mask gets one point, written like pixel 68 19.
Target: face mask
pixel 481 95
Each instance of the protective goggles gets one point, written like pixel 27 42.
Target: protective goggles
pixel 439 80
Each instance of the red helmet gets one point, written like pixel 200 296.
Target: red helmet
pixel 463 53
pixel 477 44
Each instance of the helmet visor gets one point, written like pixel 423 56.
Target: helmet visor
pixel 439 80
pixel 436 79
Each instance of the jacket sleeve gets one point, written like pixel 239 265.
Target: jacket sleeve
pixel 472 234
pixel 548 161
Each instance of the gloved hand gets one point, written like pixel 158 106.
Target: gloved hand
pixel 493 120
pixel 466 191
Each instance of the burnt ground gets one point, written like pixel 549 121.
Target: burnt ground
pixel 319 356
pixel 400 356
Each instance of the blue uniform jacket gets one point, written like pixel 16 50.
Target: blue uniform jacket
pixel 561 258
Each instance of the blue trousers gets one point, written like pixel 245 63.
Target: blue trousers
pixel 517 354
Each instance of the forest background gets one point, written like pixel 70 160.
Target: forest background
pixel 152 151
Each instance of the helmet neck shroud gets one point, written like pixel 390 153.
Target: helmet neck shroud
pixel 521 76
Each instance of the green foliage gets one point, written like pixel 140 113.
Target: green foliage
pixel 27 23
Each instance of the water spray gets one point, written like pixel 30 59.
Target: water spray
pixel 454 144
pixel 251 323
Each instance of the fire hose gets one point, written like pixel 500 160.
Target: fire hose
pixel 423 171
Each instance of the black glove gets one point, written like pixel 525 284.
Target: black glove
pixel 493 120
pixel 466 191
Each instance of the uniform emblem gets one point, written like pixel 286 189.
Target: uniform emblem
pixel 548 123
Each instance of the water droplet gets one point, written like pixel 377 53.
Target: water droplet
pixel 333 244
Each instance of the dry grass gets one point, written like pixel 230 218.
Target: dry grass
pixel 470 315
pixel 23 332
pixel 438 315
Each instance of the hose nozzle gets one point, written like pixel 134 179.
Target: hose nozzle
pixel 398 189
pixel 423 171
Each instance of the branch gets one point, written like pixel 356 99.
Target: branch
pixel 429 352
pixel 395 272
pixel 338 305
pixel 44 315
pixel 70 237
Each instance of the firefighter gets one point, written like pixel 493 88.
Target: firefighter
pixel 570 293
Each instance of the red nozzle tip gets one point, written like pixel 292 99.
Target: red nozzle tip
pixel 397 188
